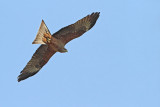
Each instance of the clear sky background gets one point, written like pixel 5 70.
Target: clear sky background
pixel 115 64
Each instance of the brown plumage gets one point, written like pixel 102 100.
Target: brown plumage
pixel 55 43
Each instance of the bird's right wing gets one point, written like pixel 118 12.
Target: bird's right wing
pixel 38 60
pixel 75 30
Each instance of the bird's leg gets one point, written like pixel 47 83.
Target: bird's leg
pixel 47 38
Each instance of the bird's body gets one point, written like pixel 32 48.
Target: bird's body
pixel 55 43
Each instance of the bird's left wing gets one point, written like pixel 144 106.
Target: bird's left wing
pixel 38 60
pixel 75 30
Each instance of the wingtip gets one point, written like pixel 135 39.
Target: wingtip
pixel 22 77
pixel 93 18
pixel 96 13
pixel 19 78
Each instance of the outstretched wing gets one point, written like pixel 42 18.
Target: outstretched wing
pixel 38 60
pixel 75 30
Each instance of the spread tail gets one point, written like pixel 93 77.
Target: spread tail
pixel 42 30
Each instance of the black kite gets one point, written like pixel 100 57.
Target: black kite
pixel 55 43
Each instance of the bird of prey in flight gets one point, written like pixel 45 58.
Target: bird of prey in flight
pixel 50 44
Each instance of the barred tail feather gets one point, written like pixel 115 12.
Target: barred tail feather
pixel 42 30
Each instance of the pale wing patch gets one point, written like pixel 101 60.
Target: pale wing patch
pixel 42 30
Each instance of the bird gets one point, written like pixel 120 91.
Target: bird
pixel 50 44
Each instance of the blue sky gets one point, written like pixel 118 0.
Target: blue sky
pixel 115 64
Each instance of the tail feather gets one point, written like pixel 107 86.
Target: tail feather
pixel 42 30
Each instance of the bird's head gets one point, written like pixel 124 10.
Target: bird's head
pixel 64 50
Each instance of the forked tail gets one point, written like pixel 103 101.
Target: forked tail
pixel 43 30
